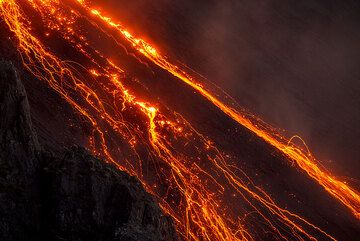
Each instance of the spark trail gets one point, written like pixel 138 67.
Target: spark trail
pixel 191 178
pixel 303 158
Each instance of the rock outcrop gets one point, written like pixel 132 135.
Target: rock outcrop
pixel 70 197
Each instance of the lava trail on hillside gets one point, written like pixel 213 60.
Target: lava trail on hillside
pixel 125 91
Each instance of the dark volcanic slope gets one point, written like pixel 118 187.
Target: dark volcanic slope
pixel 69 197
pixel 294 63
pixel 59 126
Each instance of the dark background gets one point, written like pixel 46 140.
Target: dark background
pixel 293 63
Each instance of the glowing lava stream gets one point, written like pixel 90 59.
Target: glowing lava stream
pixel 194 193
pixel 338 189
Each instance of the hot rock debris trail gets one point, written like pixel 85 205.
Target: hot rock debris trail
pixel 190 176
pixel 303 158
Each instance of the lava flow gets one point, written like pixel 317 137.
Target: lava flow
pixel 303 158
pixel 192 179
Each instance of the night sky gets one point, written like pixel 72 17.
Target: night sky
pixel 293 63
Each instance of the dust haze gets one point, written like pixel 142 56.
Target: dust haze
pixel 293 63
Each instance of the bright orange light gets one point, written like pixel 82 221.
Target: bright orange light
pixel 197 175
pixel 304 160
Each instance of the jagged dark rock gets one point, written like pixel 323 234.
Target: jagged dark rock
pixel 18 159
pixel 90 200
pixel 19 143
pixel 74 197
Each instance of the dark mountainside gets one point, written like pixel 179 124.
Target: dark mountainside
pixel 293 63
pixel 72 196
pixel 59 127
